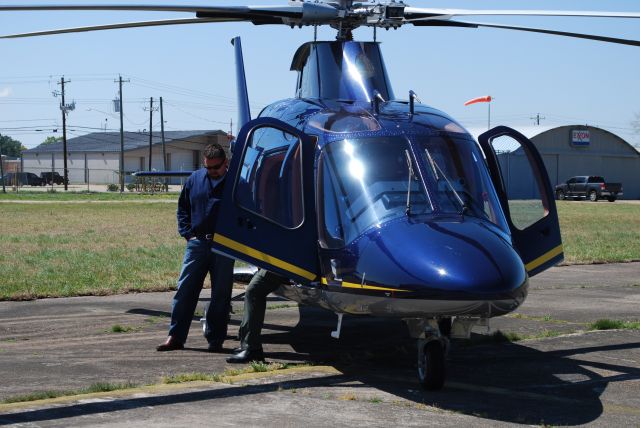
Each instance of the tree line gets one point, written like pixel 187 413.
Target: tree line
pixel 14 148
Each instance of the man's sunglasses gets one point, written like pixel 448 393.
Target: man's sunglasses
pixel 215 167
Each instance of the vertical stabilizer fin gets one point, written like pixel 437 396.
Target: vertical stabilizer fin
pixel 244 112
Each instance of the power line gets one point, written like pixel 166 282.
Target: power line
pixel 175 88
pixel 27 120
pixel 193 115
pixel 537 118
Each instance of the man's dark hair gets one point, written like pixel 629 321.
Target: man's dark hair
pixel 214 151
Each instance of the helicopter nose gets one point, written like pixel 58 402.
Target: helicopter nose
pixel 439 259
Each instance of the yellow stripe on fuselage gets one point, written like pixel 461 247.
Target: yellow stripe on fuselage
pixel 544 258
pixel 364 286
pixel 259 255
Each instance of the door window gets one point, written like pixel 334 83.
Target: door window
pixel 270 177
pixel 523 185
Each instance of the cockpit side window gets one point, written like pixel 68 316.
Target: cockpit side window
pixel 270 178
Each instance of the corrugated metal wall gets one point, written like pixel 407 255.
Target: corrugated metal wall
pixel 607 155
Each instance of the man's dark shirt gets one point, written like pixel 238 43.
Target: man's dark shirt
pixel 199 204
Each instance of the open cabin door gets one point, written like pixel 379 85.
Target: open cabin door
pixel 521 180
pixel 268 216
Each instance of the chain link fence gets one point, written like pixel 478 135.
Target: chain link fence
pixel 86 179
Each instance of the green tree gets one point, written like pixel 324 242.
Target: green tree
pixel 50 140
pixel 11 147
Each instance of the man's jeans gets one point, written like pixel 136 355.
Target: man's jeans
pixel 198 261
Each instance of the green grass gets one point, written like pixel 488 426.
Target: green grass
pixel 253 367
pixel 545 318
pixel 131 245
pixel 508 336
pixel 61 195
pixel 178 378
pixel 599 232
pixel 601 324
pixel 192 377
pixel 96 387
pixel 117 328
pixel 259 366
pixel 282 306
pixel 58 250
pixel 500 337
pixel 607 324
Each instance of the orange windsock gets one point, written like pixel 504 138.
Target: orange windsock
pixel 485 99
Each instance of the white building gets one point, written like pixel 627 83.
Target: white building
pixel 95 158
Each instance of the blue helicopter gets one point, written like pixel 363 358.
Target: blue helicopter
pixel 369 203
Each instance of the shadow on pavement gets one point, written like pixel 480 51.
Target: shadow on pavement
pixel 503 382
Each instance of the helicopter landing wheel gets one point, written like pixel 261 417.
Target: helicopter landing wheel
pixel 431 365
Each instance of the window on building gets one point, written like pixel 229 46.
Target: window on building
pixel 197 159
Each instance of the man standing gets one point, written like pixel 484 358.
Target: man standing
pixel 255 304
pixel 198 209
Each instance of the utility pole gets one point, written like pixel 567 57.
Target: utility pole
pixel 64 108
pixel 164 148
pixel 4 189
pixel 150 130
pixel 119 108
pixel 537 118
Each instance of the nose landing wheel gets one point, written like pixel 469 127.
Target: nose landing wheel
pixel 431 366
pixel 433 344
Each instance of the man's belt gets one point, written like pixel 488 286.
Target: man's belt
pixel 205 237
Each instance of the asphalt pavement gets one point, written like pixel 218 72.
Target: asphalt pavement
pixel 560 374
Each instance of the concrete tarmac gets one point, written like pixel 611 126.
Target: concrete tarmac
pixel 561 374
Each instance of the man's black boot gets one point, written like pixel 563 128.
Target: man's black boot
pixel 246 356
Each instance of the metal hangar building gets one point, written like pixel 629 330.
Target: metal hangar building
pixel 568 151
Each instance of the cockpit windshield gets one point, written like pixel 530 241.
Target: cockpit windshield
pixel 366 182
pixel 458 178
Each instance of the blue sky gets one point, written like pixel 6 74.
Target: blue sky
pixel 567 81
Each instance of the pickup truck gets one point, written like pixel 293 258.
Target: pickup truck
pixel 589 187
pixel 21 179
pixel 52 177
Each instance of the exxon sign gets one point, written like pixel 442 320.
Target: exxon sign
pixel 580 137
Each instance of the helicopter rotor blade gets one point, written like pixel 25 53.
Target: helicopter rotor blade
pixel 446 23
pixel 238 10
pixel 411 13
pixel 301 13
pixel 140 24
